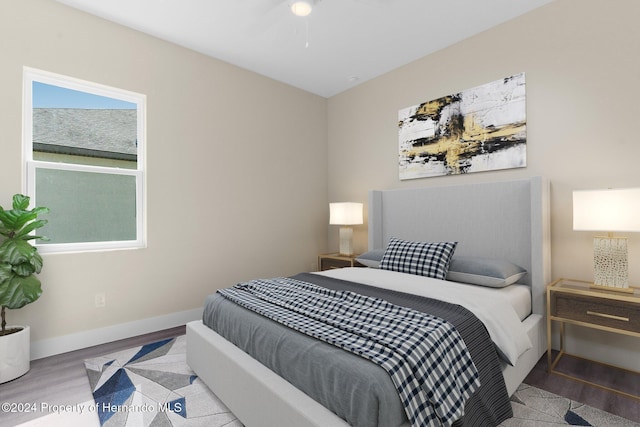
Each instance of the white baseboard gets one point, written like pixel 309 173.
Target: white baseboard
pixel 84 339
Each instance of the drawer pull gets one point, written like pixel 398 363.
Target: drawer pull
pixel 608 316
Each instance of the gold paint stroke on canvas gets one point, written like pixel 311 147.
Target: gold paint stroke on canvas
pixel 458 144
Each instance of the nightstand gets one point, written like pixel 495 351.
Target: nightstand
pixel 335 260
pixel 574 302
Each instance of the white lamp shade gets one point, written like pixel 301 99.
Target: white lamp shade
pixel 345 213
pixel 301 8
pixel 607 210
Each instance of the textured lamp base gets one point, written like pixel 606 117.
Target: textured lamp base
pixel 346 241
pixel 611 268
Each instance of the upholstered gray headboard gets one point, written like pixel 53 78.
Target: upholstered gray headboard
pixel 507 220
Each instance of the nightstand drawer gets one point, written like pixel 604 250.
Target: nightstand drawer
pixel 328 263
pixel 596 311
pixel 331 261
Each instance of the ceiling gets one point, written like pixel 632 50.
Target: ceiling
pixel 341 44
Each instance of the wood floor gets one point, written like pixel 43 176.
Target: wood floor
pixel 604 375
pixel 62 379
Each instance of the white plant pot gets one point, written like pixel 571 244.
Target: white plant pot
pixel 14 354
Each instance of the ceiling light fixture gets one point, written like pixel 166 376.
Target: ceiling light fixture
pixel 301 8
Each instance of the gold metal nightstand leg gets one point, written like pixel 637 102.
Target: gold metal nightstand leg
pixel 593 384
pixel 548 330
pixel 552 365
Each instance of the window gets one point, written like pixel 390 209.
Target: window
pixel 84 160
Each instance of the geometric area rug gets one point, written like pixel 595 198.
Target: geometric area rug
pixel 152 385
pixel 533 407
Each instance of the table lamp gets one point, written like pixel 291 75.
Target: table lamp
pixel 345 214
pixel 608 210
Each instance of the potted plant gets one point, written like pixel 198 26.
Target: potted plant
pixel 19 263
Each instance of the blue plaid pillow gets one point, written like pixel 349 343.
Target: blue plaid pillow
pixel 420 258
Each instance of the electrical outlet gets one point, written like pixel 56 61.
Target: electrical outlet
pixel 100 299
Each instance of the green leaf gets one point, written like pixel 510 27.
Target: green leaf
pixel 30 237
pixel 21 218
pixel 4 231
pixel 7 219
pixel 14 220
pixel 16 251
pixel 5 272
pixel 23 270
pixel 20 202
pixel 40 210
pixel 16 292
pixel 30 227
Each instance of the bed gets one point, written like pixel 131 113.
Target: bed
pixel 503 220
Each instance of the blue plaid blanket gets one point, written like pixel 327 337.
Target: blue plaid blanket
pixel 424 355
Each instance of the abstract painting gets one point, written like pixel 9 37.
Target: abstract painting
pixel 476 130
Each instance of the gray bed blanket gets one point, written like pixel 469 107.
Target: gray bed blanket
pixel 424 355
pixel 357 390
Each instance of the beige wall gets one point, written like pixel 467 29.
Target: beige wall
pixel 236 170
pixel 582 65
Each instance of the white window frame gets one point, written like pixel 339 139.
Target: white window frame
pixel 29 76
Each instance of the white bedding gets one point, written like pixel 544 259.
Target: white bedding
pixel 491 306
pixel 519 296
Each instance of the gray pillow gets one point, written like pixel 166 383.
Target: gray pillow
pixel 494 273
pixel 371 258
